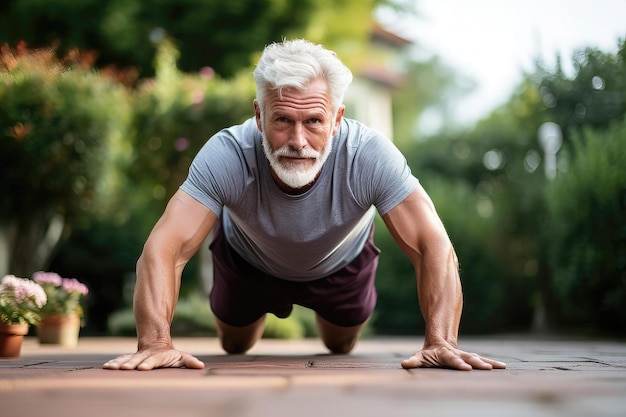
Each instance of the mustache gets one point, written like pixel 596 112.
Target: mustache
pixel 289 152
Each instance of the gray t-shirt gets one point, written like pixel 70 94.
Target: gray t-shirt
pixel 306 236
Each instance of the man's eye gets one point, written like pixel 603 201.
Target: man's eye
pixel 314 120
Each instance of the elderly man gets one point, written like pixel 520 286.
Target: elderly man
pixel 292 194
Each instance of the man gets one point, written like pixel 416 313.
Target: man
pixel 291 194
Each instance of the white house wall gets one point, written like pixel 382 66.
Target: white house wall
pixel 370 103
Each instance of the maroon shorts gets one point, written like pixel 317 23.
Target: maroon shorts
pixel 242 294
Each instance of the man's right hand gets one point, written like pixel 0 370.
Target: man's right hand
pixel 175 238
pixel 145 360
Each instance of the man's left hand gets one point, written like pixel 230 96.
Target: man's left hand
pixel 448 356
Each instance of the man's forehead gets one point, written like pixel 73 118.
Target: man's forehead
pixel 296 98
pixel 317 86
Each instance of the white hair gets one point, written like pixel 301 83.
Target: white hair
pixel 297 63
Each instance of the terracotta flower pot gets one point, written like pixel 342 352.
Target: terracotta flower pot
pixel 11 338
pixel 59 330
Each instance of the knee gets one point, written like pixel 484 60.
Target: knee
pixel 341 347
pixel 338 339
pixel 238 340
pixel 233 347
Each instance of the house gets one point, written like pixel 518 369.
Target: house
pixel 369 98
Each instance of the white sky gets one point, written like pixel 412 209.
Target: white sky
pixel 493 42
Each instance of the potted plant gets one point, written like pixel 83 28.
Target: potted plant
pixel 62 315
pixel 21 300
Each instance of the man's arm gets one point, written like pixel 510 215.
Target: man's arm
pixel 417 228
pixel 175 238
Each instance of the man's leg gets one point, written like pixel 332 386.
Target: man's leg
pixel 239 339
pixel 338 339
pixel 230 284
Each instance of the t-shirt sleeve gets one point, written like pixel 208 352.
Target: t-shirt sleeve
pixel 382 175
pixel 213 174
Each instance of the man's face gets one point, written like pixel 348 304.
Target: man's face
pixel 297 133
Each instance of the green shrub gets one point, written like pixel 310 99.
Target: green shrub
pixel 194 317
pixel 122 323
pixel 289 328
pixel 174 115
pixel 496 296
pixel 587 239
pixel 56 121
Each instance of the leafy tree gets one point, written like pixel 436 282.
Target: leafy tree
pixel 213 33
pixel 594 96
pixel 224 35
pixel 57 118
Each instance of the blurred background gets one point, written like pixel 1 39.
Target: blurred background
pixel 512 115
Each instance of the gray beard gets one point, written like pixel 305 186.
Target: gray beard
pixel 296 177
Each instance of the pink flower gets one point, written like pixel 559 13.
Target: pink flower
pixel 197 97
pixel 181 144
pixel 73 285
pixel 64 294
pixel 24 290
pixel 207 72
pixel 48 277
pixel 21 300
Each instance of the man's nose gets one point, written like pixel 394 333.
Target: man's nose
pixel 298 137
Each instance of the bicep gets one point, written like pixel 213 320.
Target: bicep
pixel 415 224
pixel 183 227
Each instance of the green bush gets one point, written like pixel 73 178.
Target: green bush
pixel 56 121
pixel 193 317
pixel 289 328
pixel 587 238
pixel 174 115
pixel 122 323
pixel 496 296
pixel 397 310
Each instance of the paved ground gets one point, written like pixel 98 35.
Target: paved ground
pixel 287 378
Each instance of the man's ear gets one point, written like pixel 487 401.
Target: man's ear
pixel 257 114
pixel 338 118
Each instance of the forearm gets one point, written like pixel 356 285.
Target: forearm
pixel 155 297
pixel 420 233
pixel 175 238
pixel 440 294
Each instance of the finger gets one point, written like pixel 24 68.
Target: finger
pixel 192 362
pixel 479 362
pixel 148 364
pixel 161 359
pixel 117 362
pixel 443 361
pixel 495 364
pixel 134 361
pixel 412 362
pixel 170 359
pixel 476 361
pixel 454 362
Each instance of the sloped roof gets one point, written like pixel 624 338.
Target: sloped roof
pixel 381 34
pixel 382 76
